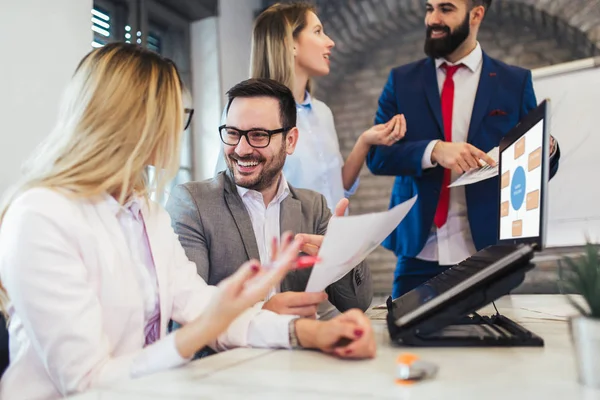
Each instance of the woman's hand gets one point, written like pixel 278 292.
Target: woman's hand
pixel 386 134
pixel 349 335
pixel 249 285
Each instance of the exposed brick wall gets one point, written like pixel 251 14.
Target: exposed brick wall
pixel 372 36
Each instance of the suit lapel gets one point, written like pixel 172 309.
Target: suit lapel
pixel 290 219
pixel 488 83
pixel 432 91
pixel 241 218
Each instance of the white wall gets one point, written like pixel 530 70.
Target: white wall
pixel 235 35
pixel 41 43
pixel 206 92
pixel 220 59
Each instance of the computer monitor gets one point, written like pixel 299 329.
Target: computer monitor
pixel 523 169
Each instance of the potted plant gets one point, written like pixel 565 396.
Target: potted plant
pixel 581 275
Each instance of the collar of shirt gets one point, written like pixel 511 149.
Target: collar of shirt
pixel 307 103
pixel 133 206
pixel 472 60
pixel 283 189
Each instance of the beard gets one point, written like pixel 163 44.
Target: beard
pixel 268 175
pixel 442 47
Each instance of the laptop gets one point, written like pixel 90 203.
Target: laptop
pixel 494 271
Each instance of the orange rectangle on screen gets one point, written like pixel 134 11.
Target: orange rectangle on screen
pixel 505 179
pixel 533 200
pixel 535 159
pixel 504 209
pixel 517 228
pixel 520 148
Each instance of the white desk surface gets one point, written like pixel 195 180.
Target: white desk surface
pixel 464 373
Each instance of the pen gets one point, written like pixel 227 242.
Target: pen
pixel 301 262
pixel 306 262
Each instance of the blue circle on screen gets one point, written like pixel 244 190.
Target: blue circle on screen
pixel 517 188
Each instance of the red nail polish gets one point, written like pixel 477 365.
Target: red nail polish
pixel 255 268
pixel 348 351
pixel 358 332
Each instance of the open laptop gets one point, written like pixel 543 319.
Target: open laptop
pixel 495 270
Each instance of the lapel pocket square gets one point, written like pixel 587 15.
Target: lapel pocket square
pixel 498 112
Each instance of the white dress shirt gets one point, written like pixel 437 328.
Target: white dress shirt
pixel 77 308
pixel 317 162
pixel 265 219
pixel 453 243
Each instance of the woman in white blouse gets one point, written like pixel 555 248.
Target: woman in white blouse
pixel 290 46
pixel 91 270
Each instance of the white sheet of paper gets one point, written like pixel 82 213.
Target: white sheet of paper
pixel 479 174
pixel 349 240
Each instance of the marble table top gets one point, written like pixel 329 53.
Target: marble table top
pixel 464 373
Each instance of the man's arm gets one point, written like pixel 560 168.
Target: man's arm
pixel 404 158
pixel 528 103
pixel 186 222
pixel 355 289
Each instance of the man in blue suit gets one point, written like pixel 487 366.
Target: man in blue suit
pixel 458 104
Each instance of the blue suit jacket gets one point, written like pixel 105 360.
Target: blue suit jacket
pixel 412 90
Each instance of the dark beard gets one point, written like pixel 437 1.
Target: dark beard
pixel 442 47
pixel 269 174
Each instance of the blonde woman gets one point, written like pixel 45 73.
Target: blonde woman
pixel 91 269
pixel 290 46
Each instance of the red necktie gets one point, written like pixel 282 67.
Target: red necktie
pixel 441 213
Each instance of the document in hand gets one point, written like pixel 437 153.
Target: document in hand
pixel 349 240
pixel 479 174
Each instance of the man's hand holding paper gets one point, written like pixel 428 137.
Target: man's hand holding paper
pixel 349 241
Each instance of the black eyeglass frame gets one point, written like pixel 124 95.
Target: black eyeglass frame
pixel 189 111
pixel 244 133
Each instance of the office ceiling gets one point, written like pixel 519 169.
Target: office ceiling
pixel 192 10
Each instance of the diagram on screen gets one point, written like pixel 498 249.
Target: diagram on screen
pixel 520 183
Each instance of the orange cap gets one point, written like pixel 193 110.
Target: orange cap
pixel 407 358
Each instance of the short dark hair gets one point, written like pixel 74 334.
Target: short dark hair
pixel 485 3
pixel 264 87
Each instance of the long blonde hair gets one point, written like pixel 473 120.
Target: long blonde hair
pixel 272 54
pixel 121 112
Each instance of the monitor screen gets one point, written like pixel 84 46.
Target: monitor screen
pixel 521 184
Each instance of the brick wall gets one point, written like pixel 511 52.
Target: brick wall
pixel 372 36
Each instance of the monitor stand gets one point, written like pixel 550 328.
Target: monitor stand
pixel 460 325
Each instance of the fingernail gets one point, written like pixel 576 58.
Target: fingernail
pixel 348 351
pixel 255 268
pixel 358 332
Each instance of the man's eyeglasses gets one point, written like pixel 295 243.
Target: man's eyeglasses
pixel 188 113
pixel 257 138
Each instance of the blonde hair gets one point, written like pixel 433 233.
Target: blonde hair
pixel 121 112
pixel 272 54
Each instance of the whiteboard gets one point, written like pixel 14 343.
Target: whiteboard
pixel 574 195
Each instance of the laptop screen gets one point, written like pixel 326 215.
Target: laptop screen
pixel 523 177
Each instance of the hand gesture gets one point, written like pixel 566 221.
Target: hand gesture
pixel 250 284
pixel 386 134
pixel 459 157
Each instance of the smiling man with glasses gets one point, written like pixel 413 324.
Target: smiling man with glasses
pixel 235 216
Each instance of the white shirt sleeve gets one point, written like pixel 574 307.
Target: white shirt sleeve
pixel 426 161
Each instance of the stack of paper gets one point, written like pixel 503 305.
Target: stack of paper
pixel 349 240
pixel 479 174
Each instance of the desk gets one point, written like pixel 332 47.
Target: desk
pixel 464 373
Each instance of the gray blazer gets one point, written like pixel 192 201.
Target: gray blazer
pixel 215 230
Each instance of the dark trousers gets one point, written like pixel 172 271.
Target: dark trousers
pixel 411 272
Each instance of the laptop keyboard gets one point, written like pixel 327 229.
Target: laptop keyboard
pixel 478 261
